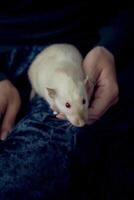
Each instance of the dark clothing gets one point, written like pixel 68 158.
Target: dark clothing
pixel 84 24
pixel 44 158
pixel 35 160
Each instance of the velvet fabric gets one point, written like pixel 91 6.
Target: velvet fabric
pixel 45 158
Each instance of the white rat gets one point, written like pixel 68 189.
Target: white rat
pixel 56 75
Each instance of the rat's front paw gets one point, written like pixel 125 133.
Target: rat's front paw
pixel 61 116
pixel 55 113
pixel 54 109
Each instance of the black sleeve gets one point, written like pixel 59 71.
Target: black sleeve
pixel 117 35
pixel 2 76
pixel 3 66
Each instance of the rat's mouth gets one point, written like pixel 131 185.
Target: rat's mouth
pixel 79 123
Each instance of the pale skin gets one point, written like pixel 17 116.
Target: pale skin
pixel 98 64
pixel 10 103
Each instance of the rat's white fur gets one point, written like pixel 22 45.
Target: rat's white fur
pixel 56 75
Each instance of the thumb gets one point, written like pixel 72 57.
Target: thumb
pixel 8 120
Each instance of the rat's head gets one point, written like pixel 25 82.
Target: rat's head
pixel 72 100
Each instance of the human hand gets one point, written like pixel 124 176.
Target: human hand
pixel 99 65
pixel 9 106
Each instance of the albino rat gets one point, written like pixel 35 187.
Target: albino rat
pixel 56 75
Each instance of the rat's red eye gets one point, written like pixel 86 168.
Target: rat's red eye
pixel 68 105
pixel 83 101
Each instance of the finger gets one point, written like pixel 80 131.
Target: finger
pixel 102 101
pixel 8 120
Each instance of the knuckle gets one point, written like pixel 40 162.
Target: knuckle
pixel 114 91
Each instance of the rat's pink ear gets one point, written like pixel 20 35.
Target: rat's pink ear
pixel 51 92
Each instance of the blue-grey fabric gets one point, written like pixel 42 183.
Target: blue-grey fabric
pixel 45 158
pixel 34 160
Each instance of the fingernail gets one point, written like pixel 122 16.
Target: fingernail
pixel 3 136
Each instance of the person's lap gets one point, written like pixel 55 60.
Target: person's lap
pixel 35 159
